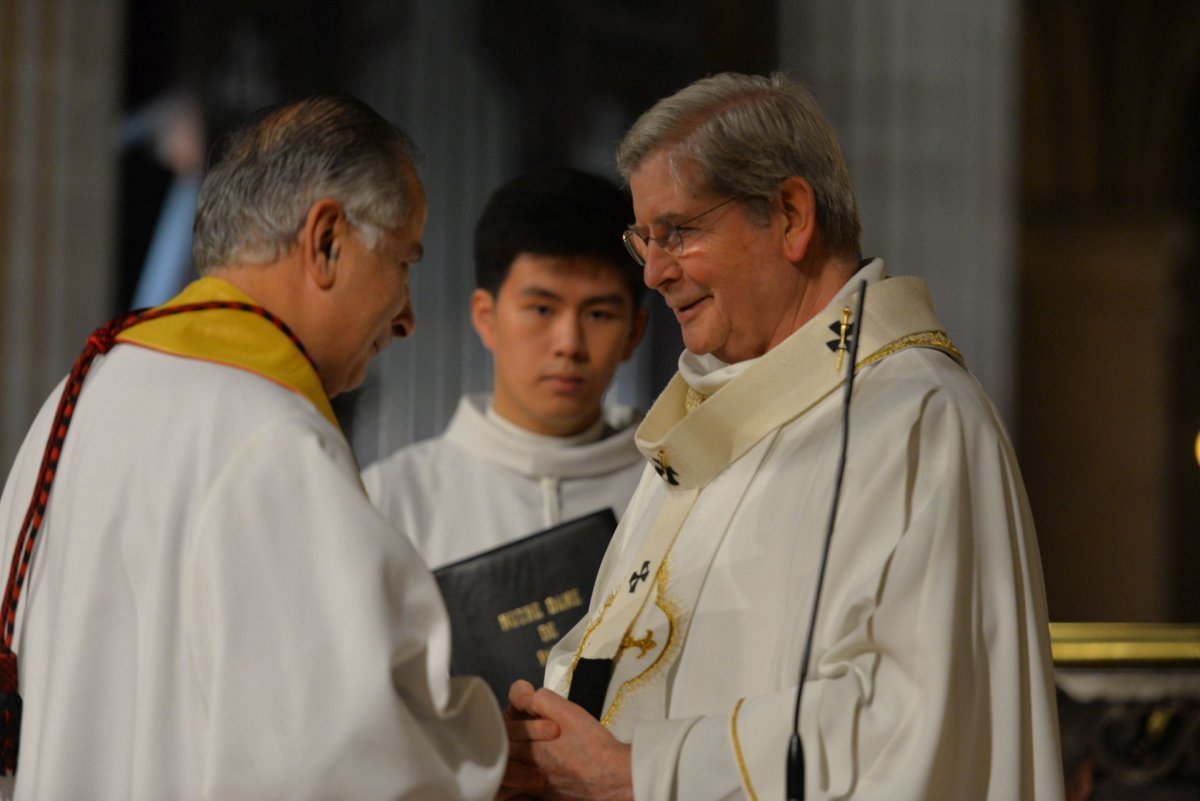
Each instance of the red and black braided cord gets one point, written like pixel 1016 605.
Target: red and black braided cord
pixel 98 343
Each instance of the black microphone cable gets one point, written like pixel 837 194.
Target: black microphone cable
pixel 795 756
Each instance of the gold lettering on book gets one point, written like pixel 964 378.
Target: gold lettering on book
pixel 548 631
pixel 564 601
pixel 543 654
pixel 521 616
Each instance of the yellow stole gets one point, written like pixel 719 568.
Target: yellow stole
pixel 231 337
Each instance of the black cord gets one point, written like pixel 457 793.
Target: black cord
pixel 795 757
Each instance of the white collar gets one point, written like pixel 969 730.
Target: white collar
pixel 592 433
pixel 706 373
pixel 482 434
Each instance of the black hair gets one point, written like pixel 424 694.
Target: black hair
pixel 555 211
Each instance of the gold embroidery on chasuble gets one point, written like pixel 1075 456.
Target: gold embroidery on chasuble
pixel 643 645
pixel 737 751
pixel 693 399
pixel 691 440
pixel 671 647
pixel 564 686
pixel 937 340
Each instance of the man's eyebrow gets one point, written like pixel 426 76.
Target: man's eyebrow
pixel 666 218
pixel 612 298
pixel 539 292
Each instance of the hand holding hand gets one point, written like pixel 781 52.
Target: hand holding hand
pixel 558 751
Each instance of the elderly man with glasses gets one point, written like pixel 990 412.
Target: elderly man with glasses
pixel 918 634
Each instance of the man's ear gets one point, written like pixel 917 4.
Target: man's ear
pixel 483 316
pixel 321 240
pixel 636 332
pixel 800 216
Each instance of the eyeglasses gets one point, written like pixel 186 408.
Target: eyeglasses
pixel 673 243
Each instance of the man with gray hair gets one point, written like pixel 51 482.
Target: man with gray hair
pixel 214 609
pixel 911 615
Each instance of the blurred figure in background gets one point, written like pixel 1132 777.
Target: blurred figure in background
pixel 174 128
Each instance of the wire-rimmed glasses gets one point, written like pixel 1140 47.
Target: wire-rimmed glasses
pixel 673 243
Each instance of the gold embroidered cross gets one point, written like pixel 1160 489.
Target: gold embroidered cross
pixel 843 332
pixel 643 645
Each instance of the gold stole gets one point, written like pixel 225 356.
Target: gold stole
pixel 231 337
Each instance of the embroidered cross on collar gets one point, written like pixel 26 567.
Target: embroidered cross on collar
pixel 844 330
pixel 663 467
pixel 642 575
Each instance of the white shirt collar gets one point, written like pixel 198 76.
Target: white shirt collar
pixel 706 373
pixel 593 433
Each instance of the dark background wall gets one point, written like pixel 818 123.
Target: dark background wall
pixel 1110 304
pixel 1098 207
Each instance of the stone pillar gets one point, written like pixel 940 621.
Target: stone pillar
pixel 922 94
pixel 419 66
pixel 59 100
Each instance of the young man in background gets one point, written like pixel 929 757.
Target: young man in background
pixel 558 304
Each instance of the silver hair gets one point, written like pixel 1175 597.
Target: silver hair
pixel 747 133
pixel 256 197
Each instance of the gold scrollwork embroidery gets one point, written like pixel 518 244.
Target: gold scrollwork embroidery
pixel 922 339
pixel 671 609
pixel 565 685
pixel 643 645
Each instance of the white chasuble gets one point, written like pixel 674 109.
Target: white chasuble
pixel 930 676
pixel 214 609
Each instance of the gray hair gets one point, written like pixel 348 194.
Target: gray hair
pixel 255 198
pixel 747 133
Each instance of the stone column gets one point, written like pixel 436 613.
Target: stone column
pixel 59 100
pixel 420 67
pixel 922 94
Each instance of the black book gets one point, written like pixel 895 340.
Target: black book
pixel 508 606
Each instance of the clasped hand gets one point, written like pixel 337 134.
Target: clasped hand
pixel 558 751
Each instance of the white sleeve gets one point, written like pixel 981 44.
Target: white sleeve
pixel 372 479
pixel 320 642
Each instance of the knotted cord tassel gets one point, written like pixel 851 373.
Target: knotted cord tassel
pixel 10 713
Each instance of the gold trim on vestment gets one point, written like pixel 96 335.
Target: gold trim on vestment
pixel 737 750
pixel 564 686
pixel 785 383
pixel 921 339
pixel 671 610
pixel 693 399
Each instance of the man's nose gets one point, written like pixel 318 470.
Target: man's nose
pixel 404 323
pixel 660 266
pixel 569 340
